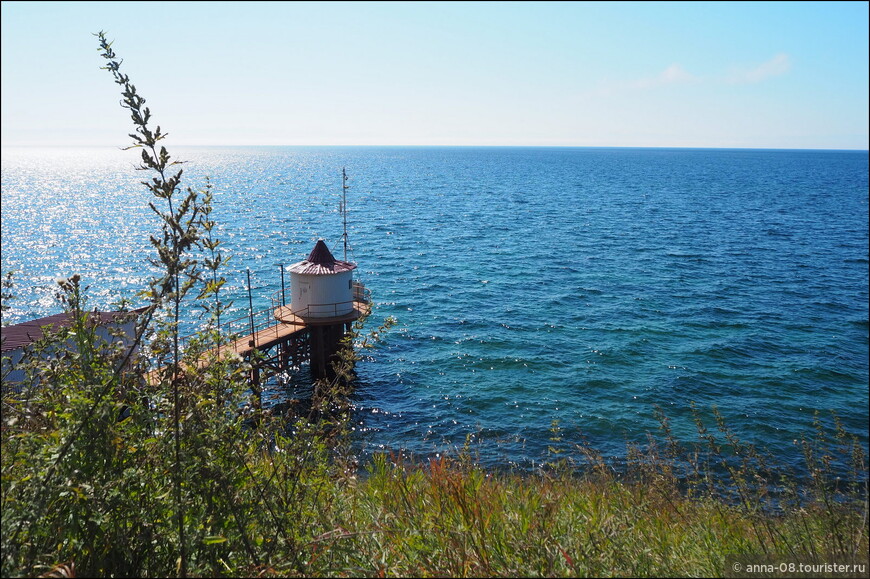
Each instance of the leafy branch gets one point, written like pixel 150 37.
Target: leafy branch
pixel 183 221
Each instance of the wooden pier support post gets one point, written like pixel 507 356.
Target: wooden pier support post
pixel 284 355
pixel 318 351
pixel 255 374
pixel 325 343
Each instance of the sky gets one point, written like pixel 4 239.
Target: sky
pixel 786 75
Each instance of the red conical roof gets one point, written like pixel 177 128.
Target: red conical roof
pixel 321 255
pixel 321 262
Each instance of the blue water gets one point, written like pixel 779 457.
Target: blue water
pixel 531 285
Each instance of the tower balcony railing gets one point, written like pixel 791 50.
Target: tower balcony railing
pixel 361 294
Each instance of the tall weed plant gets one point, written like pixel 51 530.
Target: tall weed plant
pixel 105 473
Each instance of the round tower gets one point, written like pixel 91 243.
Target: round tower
pixel 321 286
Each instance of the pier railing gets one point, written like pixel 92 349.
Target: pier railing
pixel 251 323
pixel 237 327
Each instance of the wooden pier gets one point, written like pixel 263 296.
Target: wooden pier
pixel 324 304
pixel 279 339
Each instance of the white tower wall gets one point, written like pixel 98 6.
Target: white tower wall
pixel 321 296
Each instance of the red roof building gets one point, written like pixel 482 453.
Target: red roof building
pixel 321 262
pixel 15 339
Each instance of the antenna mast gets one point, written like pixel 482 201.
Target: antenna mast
pixel 344 188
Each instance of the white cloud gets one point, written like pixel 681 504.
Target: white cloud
pixel 675 74
pixel 776 66
pixel 671 75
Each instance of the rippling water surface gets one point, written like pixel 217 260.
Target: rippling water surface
pixel 584 286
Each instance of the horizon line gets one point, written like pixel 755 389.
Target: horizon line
pixel 688 147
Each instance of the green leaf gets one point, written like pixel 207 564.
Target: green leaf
pixel 215 539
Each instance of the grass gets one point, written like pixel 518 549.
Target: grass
pixel 260 502
pixel 452 518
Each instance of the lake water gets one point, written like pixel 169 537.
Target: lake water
pixel 531 285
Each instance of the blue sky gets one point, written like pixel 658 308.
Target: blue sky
pixel 648 74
